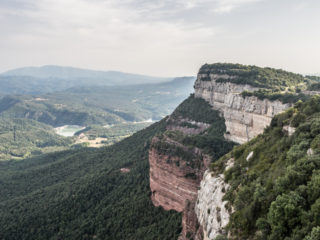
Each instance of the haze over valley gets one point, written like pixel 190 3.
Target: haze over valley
pixel 62 97
pixel 159 120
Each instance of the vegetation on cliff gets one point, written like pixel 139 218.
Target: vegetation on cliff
pixel 84 195
pixel 276 192
pixel 314 86
pixel 211 141
pixel 255 76
pixel 286 97
pixel 275 84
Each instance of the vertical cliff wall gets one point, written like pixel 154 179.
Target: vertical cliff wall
pixel 177 168
pixel 180 156
pixel 173 179
pixel 175 175
pixel 245 117
pixel 211 210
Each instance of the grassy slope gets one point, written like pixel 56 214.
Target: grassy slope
pixel 82 195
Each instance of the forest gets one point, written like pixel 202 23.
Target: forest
pixel 275 194
pixel 276 79
pixel 83 195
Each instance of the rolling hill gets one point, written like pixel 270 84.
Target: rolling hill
pixel 37 80
pixel 99 105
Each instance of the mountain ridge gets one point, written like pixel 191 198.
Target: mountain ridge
pixel 244 117
pixel 66 72
pixel 179 149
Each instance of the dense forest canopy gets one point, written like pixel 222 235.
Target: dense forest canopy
pixel 275 194
pixel 21 138
pixel 255 76
pixel 83 195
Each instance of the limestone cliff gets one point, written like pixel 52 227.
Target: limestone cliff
pixel 212 212
pixel 177 168
pixel 245 117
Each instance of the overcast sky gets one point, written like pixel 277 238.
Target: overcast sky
pixel 162 38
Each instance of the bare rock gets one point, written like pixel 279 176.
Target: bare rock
pixel 210 208
pixel 246 117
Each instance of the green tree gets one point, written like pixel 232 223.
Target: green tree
pixel 284 214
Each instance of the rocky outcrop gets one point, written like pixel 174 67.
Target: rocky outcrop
pixel 245 117
pixel 175 174
pixel 288 129
pixel 211 210
pixel 173 180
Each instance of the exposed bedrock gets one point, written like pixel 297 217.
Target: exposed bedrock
pixel 176 184
pixel 245 117
pixel 211 210
pixel 173 181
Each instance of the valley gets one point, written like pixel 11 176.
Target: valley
pixel 227 163
pixel 87 109
pixel 159 120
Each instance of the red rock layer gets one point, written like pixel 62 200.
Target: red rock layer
pixel 175 186
pixel 191 229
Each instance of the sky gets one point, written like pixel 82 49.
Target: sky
pixel 160 37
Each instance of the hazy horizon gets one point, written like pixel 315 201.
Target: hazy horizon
pixel 160 38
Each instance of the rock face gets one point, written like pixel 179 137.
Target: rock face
pixel 172 181
pixel 175 182
pixel 246 117
pixel 191 229
pixel 175 179
pixel 290 130
pixel 210 209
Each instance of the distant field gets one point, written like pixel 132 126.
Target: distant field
pixel 98 136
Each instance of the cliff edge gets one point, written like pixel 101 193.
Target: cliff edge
pixel 201 130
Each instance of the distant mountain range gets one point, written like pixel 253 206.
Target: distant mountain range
pixel 85 105
pixel 45 79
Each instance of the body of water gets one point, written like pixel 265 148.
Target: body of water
pixel 68 130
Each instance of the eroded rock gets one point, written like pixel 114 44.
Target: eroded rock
pixel 245 117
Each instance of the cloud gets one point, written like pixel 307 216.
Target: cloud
pixel 149 36
pixel 226 6
pixel 90 33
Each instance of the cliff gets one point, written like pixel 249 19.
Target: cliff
pixel 179 157
pixel 238 118
pixel 271 185
pixel 212 211
pixel 173 180
pixel 245 117
pixel 175 175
